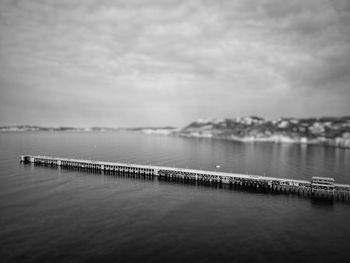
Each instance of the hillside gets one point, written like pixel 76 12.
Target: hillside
pixel 327 131
pixel 331 131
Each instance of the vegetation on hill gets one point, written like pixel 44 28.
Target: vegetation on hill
pixel 327 130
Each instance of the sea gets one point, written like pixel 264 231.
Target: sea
pixel 58 215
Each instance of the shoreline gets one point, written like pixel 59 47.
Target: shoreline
pixel 336 143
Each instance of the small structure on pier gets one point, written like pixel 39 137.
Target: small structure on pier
pixel 322 187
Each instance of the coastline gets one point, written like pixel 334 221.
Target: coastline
pixel 336 142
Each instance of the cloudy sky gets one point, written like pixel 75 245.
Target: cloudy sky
pixel 168 62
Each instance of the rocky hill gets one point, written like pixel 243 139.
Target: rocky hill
pixel 326 131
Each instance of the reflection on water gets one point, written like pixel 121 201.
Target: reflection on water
pixel 277 160
pixel 58 215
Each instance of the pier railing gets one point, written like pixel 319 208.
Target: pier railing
pixel 319 187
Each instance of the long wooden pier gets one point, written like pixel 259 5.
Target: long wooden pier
pixel 318 187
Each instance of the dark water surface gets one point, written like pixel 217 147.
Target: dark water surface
pixel 57 215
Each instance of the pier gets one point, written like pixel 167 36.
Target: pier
pixel 318 187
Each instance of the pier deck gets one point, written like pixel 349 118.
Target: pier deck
pixel 322 187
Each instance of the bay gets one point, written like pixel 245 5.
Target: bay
pixel 57 215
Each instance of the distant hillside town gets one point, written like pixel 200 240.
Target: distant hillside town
pixel 330 131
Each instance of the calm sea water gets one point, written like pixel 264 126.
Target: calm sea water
pixel 56 215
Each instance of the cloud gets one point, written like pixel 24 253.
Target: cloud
pixel 189 59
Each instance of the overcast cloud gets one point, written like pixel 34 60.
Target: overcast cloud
pixel 168 62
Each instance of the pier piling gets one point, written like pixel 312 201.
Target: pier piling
pixel 318 187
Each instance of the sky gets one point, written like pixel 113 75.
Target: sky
pixel 169 62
